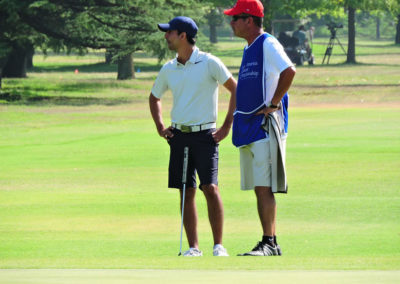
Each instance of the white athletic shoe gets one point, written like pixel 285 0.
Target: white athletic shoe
pixel 219 250
pixel 193 252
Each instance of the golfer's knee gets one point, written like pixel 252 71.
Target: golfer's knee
pixel 210 189
pixel 264 191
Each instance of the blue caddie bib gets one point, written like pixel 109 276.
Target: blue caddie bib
pixel 250 96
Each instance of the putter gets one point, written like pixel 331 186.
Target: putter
pixel 185 165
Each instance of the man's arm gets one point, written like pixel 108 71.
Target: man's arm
pixel 284 83
pixel 222 132
pixel 156 113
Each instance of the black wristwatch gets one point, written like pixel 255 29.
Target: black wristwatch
pixel 272 106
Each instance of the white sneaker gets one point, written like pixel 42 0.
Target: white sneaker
pixel 193 252
pixel 219 250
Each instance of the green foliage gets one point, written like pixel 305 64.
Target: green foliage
pixel 215 17
pixel 124 26
pixel 393 6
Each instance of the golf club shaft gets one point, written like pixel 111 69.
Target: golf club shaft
pixel 184 178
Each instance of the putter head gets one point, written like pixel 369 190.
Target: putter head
pixel 179 254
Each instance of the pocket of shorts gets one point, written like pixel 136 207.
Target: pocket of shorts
pixel 173 137
pixel 210 132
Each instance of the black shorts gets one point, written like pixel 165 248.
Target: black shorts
pixel 203 158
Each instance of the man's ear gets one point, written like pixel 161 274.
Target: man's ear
pixel 182 35
pixel 250 20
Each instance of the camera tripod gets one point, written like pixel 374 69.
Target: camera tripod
pixel 329 48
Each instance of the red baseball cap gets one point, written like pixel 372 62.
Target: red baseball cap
pixel 251 7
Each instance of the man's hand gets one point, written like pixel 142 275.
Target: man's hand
pixel 166 133
pixel 267 110
pixel 220 134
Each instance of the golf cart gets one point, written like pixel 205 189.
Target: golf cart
pixel 296 44
pixel 298 53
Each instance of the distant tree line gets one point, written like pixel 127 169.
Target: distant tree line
pixel 119 26
pixel 300 9
pixel 124 26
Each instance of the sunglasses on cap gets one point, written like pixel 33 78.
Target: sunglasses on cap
pixel 236 17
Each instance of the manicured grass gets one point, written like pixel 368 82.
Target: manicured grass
pixel 194 276
pixel 83 173
pixel 87 189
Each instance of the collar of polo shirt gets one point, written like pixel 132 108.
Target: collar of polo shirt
pixel 192 58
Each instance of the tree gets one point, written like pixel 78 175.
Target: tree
pixel 397 40
pixel 125 26
pixel 214 15
pixel 366 5
pixel 394 8
pixel 350 6
pixel 214 18
pixel 16 40
pixel 298 9
pixel 351 47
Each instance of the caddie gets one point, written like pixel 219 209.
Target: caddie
pixel 261 118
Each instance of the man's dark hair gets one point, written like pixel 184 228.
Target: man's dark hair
pixel 190 39
pixel 257 21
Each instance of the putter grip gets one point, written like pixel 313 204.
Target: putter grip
pixel 185 163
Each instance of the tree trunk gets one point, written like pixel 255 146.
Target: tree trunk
pixel 125 67
pixel 16 63
pixel 213 33
pixel 268 15
pixel 398 30
pixel 108 56
pixel 2 63
pixel 351 47
pixel 378 27
pixel 29 57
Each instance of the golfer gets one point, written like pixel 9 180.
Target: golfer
pixel 193 78
pixel 260 118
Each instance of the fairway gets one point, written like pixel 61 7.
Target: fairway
pixel 83 179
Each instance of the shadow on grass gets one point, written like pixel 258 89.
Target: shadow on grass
pixel 86 68
pixel 309 86
pixel 27 91
pixel 93 68
pixel 16 99
pixel 345 65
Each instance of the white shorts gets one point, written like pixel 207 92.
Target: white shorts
pixel 255 164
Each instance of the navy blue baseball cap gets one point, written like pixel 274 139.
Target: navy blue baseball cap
pixel 181 23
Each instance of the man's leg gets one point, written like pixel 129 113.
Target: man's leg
pixel 190 217
pixel 215 211
pixel 266 209
pixel 255 169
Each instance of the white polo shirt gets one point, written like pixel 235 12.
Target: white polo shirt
pixel 275 61
pixel 194 87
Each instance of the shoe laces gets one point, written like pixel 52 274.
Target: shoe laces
pixel 259 246
pixel 220 250
pixel 193 251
